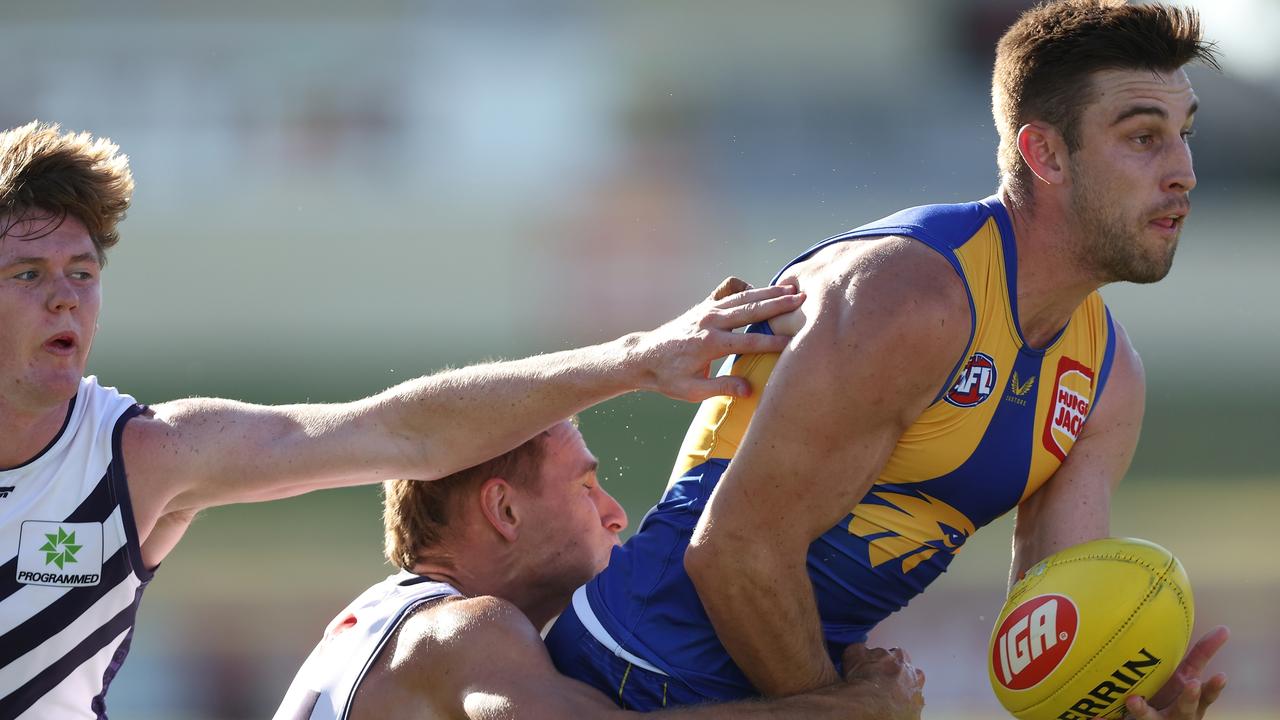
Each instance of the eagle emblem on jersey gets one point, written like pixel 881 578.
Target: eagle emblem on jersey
pixel 911 527
pixel 1068 406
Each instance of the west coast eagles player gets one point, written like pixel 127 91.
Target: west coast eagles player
pixel 951 363
pixel 95 489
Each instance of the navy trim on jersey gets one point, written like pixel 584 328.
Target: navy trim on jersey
pixel 28 634
pixel 99 702
pixel 1010 246
pixel 120 492
pixel 87 511
pixel 71 408
pixel 1107 356
pixel 19 700
pixel 387 633
pixel 958 223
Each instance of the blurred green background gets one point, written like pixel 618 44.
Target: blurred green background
pixel 334 197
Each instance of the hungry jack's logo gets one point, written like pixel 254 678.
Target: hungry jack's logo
pixel 1068 406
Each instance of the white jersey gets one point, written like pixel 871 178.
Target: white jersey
pixel 71 571
pixel 326 685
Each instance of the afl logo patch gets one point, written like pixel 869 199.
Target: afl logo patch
pixel 975 383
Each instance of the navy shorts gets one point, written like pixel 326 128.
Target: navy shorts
pixel 579 655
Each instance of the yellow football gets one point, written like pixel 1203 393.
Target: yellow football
pixel 1088 627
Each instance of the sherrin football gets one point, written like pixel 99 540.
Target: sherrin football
pixel 1089 626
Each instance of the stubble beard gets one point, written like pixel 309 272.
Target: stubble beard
pixel 1111 247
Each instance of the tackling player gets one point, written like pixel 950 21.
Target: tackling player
pixel 489 555
pixel 99 489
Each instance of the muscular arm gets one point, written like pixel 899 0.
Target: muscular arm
pixel 1074 505
pixel 886 322
pixel 481 659
pixel 192 454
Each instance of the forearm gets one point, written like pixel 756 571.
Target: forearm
pixel 765 614
pixel 458 418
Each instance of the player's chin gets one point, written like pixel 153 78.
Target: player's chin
pixel 60 384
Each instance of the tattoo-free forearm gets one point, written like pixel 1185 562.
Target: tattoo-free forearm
pixel 458 418
pixel 763 609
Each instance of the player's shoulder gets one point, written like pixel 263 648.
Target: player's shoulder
pixel 891 276
pixel 463 629
pixel 1126 365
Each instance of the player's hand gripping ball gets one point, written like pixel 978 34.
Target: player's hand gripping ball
pixel 1089 626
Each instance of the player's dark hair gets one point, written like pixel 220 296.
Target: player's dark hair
pixel 1045 62
pixel 416 514
pixel 46 175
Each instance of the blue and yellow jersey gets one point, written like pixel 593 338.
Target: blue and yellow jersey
pixel 1001 426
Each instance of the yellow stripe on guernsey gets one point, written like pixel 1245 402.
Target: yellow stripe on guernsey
pixel 1010 417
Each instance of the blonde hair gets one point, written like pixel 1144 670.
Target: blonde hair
pixel 416 514
pixel 44 170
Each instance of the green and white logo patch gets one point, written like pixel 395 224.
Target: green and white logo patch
pixel 60 554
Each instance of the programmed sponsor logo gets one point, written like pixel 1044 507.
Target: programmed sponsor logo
pixel 60 554
pixel 975 383
pixel 1033 640
pixel 1068 406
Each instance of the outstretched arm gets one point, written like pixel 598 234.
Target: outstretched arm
pixel 197 453
pixel 498 668
pixel 885 325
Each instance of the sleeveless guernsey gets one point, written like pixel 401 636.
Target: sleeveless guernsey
pixel 71 572
pixel 326 685
pixel 1002 424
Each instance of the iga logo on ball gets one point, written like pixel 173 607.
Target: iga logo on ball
pixel 1087 627
pixel 1033 640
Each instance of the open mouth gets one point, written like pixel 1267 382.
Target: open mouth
pixel 61 344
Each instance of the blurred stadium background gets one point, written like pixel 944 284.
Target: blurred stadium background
pixel 333 197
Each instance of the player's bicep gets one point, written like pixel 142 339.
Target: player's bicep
pixel 1074 505
pixel 204 452
pixel 871 358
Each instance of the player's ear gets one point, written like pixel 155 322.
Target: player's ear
pixel 498 506
pixel 1044 151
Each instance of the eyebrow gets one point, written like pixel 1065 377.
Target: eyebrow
pixel 589 467
pixel 82 257
pixel 1151 110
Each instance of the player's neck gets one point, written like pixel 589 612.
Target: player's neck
pixel 1051 284
pixel 499 575
pixel 26 431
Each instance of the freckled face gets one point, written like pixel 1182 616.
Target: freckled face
pixel 49 302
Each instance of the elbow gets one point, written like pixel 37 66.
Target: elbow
pixel 703 558
pixel 717 559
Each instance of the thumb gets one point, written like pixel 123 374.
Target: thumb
pixel 730 385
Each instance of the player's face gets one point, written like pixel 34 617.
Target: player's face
pixel 1132 174
pixel 575 522
pixel 49 301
